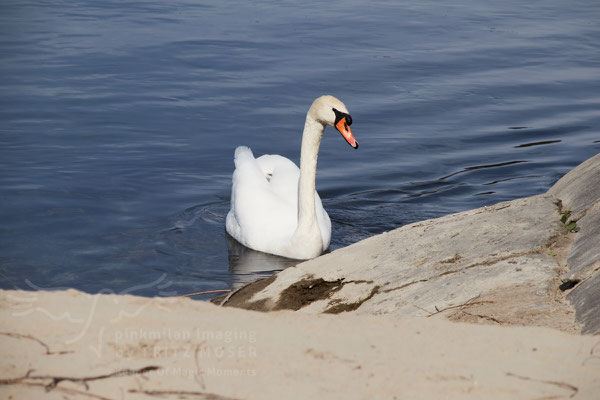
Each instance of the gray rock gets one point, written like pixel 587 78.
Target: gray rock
pixel 584 258
pixel 579 193
pixel 579 190
pixel 586 300
pixel 500 264
pixel 426 266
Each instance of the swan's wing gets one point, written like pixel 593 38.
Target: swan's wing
pixel 247 173
pixel 269 163
pixel 282 175
pixel 259 213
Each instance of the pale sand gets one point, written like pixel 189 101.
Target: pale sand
pixel 209 352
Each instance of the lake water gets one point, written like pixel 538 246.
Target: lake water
pixel 118 122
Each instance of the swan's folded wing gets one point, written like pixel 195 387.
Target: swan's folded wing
pixel 259 216
pixel 270 163
pixel 282 175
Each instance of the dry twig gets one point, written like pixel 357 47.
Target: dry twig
pixel 28 379
pixel 559 384
pixel 482 316
pixel 206 292
pixel 199 395
pixel 469 302
pixel 20 336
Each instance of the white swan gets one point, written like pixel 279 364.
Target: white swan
pixel 274 206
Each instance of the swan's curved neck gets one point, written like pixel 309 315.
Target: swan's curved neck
pixel 311 139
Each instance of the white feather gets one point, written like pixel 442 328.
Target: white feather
pixel 266 206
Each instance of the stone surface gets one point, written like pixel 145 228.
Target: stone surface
pixel 579 192
pixel 579 189
pixel 586 300
pixel 432 265
pixel 511 262
pixel 584 258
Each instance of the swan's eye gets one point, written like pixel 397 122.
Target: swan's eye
pixel 339 115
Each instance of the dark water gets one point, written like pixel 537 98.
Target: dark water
pixel 118 122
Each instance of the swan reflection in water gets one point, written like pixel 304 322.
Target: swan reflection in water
pixel 247 265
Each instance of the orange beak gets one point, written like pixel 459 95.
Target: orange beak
pixel 344 129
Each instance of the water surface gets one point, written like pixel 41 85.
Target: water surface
pixel 118 122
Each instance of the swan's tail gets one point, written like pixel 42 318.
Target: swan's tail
pixel 242 154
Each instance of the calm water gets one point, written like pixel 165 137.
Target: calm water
pixel 118 122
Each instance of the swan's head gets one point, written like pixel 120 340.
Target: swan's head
pixel 330 111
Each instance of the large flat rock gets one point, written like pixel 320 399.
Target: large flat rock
pixel 510 263
pixel 440 264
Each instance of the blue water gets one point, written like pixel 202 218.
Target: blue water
pixel 118 122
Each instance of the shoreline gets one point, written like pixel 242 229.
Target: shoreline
pixel 487 303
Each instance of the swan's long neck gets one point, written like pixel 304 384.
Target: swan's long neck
pixel 311 139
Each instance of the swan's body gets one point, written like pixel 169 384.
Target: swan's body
pixel 264 206
pixel 274 206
